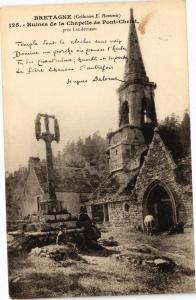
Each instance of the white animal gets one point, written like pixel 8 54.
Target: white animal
pixel 148 223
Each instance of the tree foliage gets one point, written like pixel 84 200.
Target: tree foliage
pixel 85 151
pixel 91 151
pixel 15 193
pixel 176 134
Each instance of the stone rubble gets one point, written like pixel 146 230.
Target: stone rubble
pixel 57 253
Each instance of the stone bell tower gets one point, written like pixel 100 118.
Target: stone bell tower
pixel 136 109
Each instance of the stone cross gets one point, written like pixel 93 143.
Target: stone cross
pixel 48 137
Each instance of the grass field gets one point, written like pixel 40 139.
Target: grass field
pixel 102 273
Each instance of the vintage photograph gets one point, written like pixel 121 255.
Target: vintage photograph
pixel 97 150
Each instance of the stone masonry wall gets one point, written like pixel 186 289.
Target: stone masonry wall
pixel 159 167
pixel 126 208
pixel 120 216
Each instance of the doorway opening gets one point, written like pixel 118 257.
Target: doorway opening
pixel 159 202
pixel 100 213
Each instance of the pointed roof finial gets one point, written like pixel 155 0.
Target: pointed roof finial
pixel 134 68
pixel 131 13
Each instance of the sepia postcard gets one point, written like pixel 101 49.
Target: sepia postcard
pixel 97 146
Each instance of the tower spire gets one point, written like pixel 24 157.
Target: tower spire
pixel 136 110
pixel 134 68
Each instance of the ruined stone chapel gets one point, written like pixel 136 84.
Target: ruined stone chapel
pixel 143 177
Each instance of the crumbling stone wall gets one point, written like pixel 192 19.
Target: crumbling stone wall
pixel 126 208
pixel 125 147
pixel 159 166
pixel 125 214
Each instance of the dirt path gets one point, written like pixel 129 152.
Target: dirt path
pixel 111 271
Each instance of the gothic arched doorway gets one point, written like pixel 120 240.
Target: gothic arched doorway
pixel 159 202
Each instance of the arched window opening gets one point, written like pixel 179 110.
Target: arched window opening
pixel 124 113
pixel 38 203
pixel 126 207
pixel 133 149
pixel 145 118
pixel 127 153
